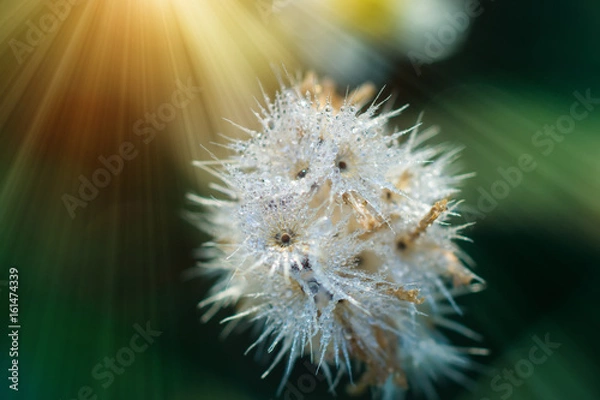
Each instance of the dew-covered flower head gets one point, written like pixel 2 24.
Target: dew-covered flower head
pixel 333 234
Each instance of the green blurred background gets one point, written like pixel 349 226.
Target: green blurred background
pixel 84 282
